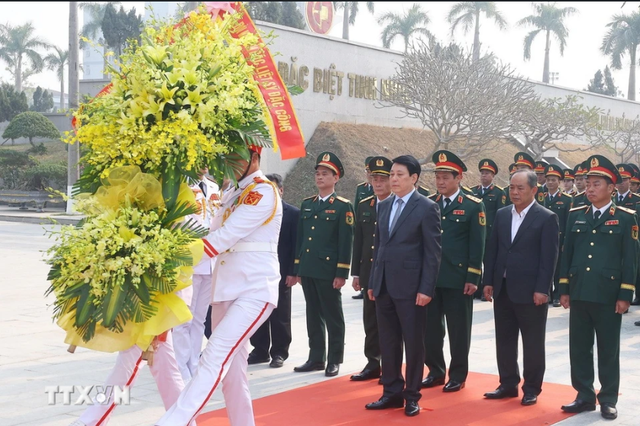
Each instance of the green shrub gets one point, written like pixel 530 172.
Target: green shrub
pixel 13 164
pixel 45 175
pixel 39 149
pixel 31 125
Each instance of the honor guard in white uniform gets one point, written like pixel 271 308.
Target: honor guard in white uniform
pixel 164 370
pixel 243 242
pixel 188 337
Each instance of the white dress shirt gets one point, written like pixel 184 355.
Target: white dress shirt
pixel 602 209
pixel 394 206
pixel 518 218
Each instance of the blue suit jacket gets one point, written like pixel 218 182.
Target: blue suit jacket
pixel 408 258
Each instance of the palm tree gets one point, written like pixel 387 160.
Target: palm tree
pixel 350 13
pixel 414 21
pixel 56 62
pixel 16 43
pixel 96 10
pixel 467 13
pixel 548 18
pixel 623 36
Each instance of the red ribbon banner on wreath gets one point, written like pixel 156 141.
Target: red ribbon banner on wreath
pixel 285 122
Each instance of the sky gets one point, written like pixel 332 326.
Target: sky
pixel 582 57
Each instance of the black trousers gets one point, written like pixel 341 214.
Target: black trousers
pixel 274 335
pixel 401 321
pixel 530 320
pixel 371 335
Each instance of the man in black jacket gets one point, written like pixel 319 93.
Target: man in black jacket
pixel 519 266
pixel 276 331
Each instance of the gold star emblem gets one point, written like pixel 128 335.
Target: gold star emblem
pixel 442 158
pixel 379 162
pixel 594 162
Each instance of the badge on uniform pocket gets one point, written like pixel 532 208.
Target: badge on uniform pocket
pixel 482 218
pixel 349 218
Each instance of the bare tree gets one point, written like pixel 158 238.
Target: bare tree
pixel 621 135
pixel 550 121
pixel 467 105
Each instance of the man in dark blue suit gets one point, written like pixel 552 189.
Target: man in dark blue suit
pixel 276 331
pixel 406 260
pixel 519 266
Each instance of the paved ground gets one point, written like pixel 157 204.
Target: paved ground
pixel 33 355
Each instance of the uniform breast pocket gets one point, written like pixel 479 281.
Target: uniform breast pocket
pixel 457 219
pixel 328 217
pixel 611 230
pixel 579 228
pixel 306 215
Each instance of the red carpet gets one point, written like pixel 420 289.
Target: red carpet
pixel 341 402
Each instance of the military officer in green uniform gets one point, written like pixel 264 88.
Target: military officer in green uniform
pixel 492 196
pixel 539 169
pixel 580 172
pixel 634 182
pixel 568 183
pixel 323 257
pixel 366 217
pixel 463 237
pixel 512 169
pixel 423 190
pixel 364 189
pixel 559 203
pixel 625 197
pixel 525 161
pixel 598 269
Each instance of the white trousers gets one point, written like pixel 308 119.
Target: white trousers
pixel 187 337
pixel 224 360
pixel 124 373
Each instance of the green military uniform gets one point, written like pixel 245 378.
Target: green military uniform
pixel 493 198
pixel 323 252
pixel 598 268
pixel 463 238
pixel 423 190
pixel 524 159
pixel 560 203
pixel 364 189
pixel 569 176
pixel 362 260
pixel 539 168
pixel 580 199
pixel 512 169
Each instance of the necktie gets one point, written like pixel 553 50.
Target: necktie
pixel 596 214
pixel 396 214
pixel 203 187
pixel 447 201
pixel 620 198
pixel 550 198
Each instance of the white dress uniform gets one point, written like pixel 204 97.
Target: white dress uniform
pixel 187 337
pixel 164 370
pixel 244 242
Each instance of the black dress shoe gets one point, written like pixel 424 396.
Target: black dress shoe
pixel 256 359
pixel 556 303
pixel 578 406
pixel 366 374
pixel 412 408
pixel 529 399
pixel 309 366
pixel 608 411
pixel 332 370
pixel 277 362
pixel 501 393
pixel 453 386
pixel 430 382
pixel 636 302
pixel 358 296
pixel 384 403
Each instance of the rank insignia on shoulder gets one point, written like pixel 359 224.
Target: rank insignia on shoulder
pixel 579 208
pixel 349 218
pixel 626 210
pixel 252 198
pixel 634 232
pixel 472 198
pixel 612 222
pixel 344 200
pixel 482 218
